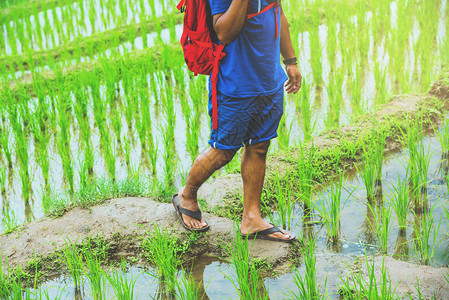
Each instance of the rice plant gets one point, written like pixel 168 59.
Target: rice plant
pixel 315 54
pixel 282 192
pixel 400 201
pixel 370 288
pixel 164 252
pixel 72 258
pixel 246 277
pixel 122 285
pixel 2 180
pixel 307 286
pixel 5 144
pixel 330 206
pixel 382 224
pixel 94 274
pixel 368 172
pixel 425 232
pixel 305 172
pixel 443 135
pixel 9 221
pixel 187 289
pixel 305 109
pixel 418 163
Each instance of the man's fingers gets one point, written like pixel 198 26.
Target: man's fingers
pixel 288 82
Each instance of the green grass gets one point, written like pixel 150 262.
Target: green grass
pixel 9 221
pixel 95 193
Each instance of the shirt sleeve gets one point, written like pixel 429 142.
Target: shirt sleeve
pixel 219 6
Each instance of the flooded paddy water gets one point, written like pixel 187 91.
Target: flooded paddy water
pixel 133 116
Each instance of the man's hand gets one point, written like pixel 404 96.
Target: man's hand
pixel 293 83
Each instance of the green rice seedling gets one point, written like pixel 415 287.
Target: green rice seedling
pixel 164 252
pixel 368 172
pixel 379 141
pixel 304 107
pixel 5 278
pixel 382 225
pixel 70 255
pixel 423 159
pixel 362 288
pixel 9 221
pixel 305 172
pixel 425 233
pixel 446 210
pixel 42 138
pixel 5 137
pixel 110 156
pixel 330 207
pixel 380 79
pixel 43 294
pixel 2 180
pixel 356 90
pixel 307 285
pixel 94 274
pixel 284 132
pixel 334 91
pixel 282 191
pixel 246 279
pixel 316 55
pixel 331 43
pixel 67 165
pixel 400 201
pixel 83 173
pixel 418 290
pixel 443 136
pixel 187 289
pixel 122 285
pixel 412 137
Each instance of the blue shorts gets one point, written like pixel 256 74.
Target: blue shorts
pixel 246 120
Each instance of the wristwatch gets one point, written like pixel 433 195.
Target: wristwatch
pixel 290 61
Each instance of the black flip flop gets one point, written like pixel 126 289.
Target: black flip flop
pixel 193 214
pixel 264 235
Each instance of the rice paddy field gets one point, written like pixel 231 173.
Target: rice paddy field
pixel 96 102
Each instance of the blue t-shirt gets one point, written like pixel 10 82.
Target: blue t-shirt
pixel 252 65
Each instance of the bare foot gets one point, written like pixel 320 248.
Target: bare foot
pixel 193 206
pixel 250 226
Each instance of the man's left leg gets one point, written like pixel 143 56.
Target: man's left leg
pixel 253 175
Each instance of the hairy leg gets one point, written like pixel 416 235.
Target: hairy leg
pixel 253 175
pixel 203 167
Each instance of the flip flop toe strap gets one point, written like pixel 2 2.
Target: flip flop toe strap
pixel 193 214
pixel 269 231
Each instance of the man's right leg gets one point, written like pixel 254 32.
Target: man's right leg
pixel 203 167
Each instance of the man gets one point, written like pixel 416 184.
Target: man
pixel 250 105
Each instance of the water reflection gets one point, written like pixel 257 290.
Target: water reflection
pixel 401 249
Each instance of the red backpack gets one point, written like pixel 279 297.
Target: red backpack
pixel 201 54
